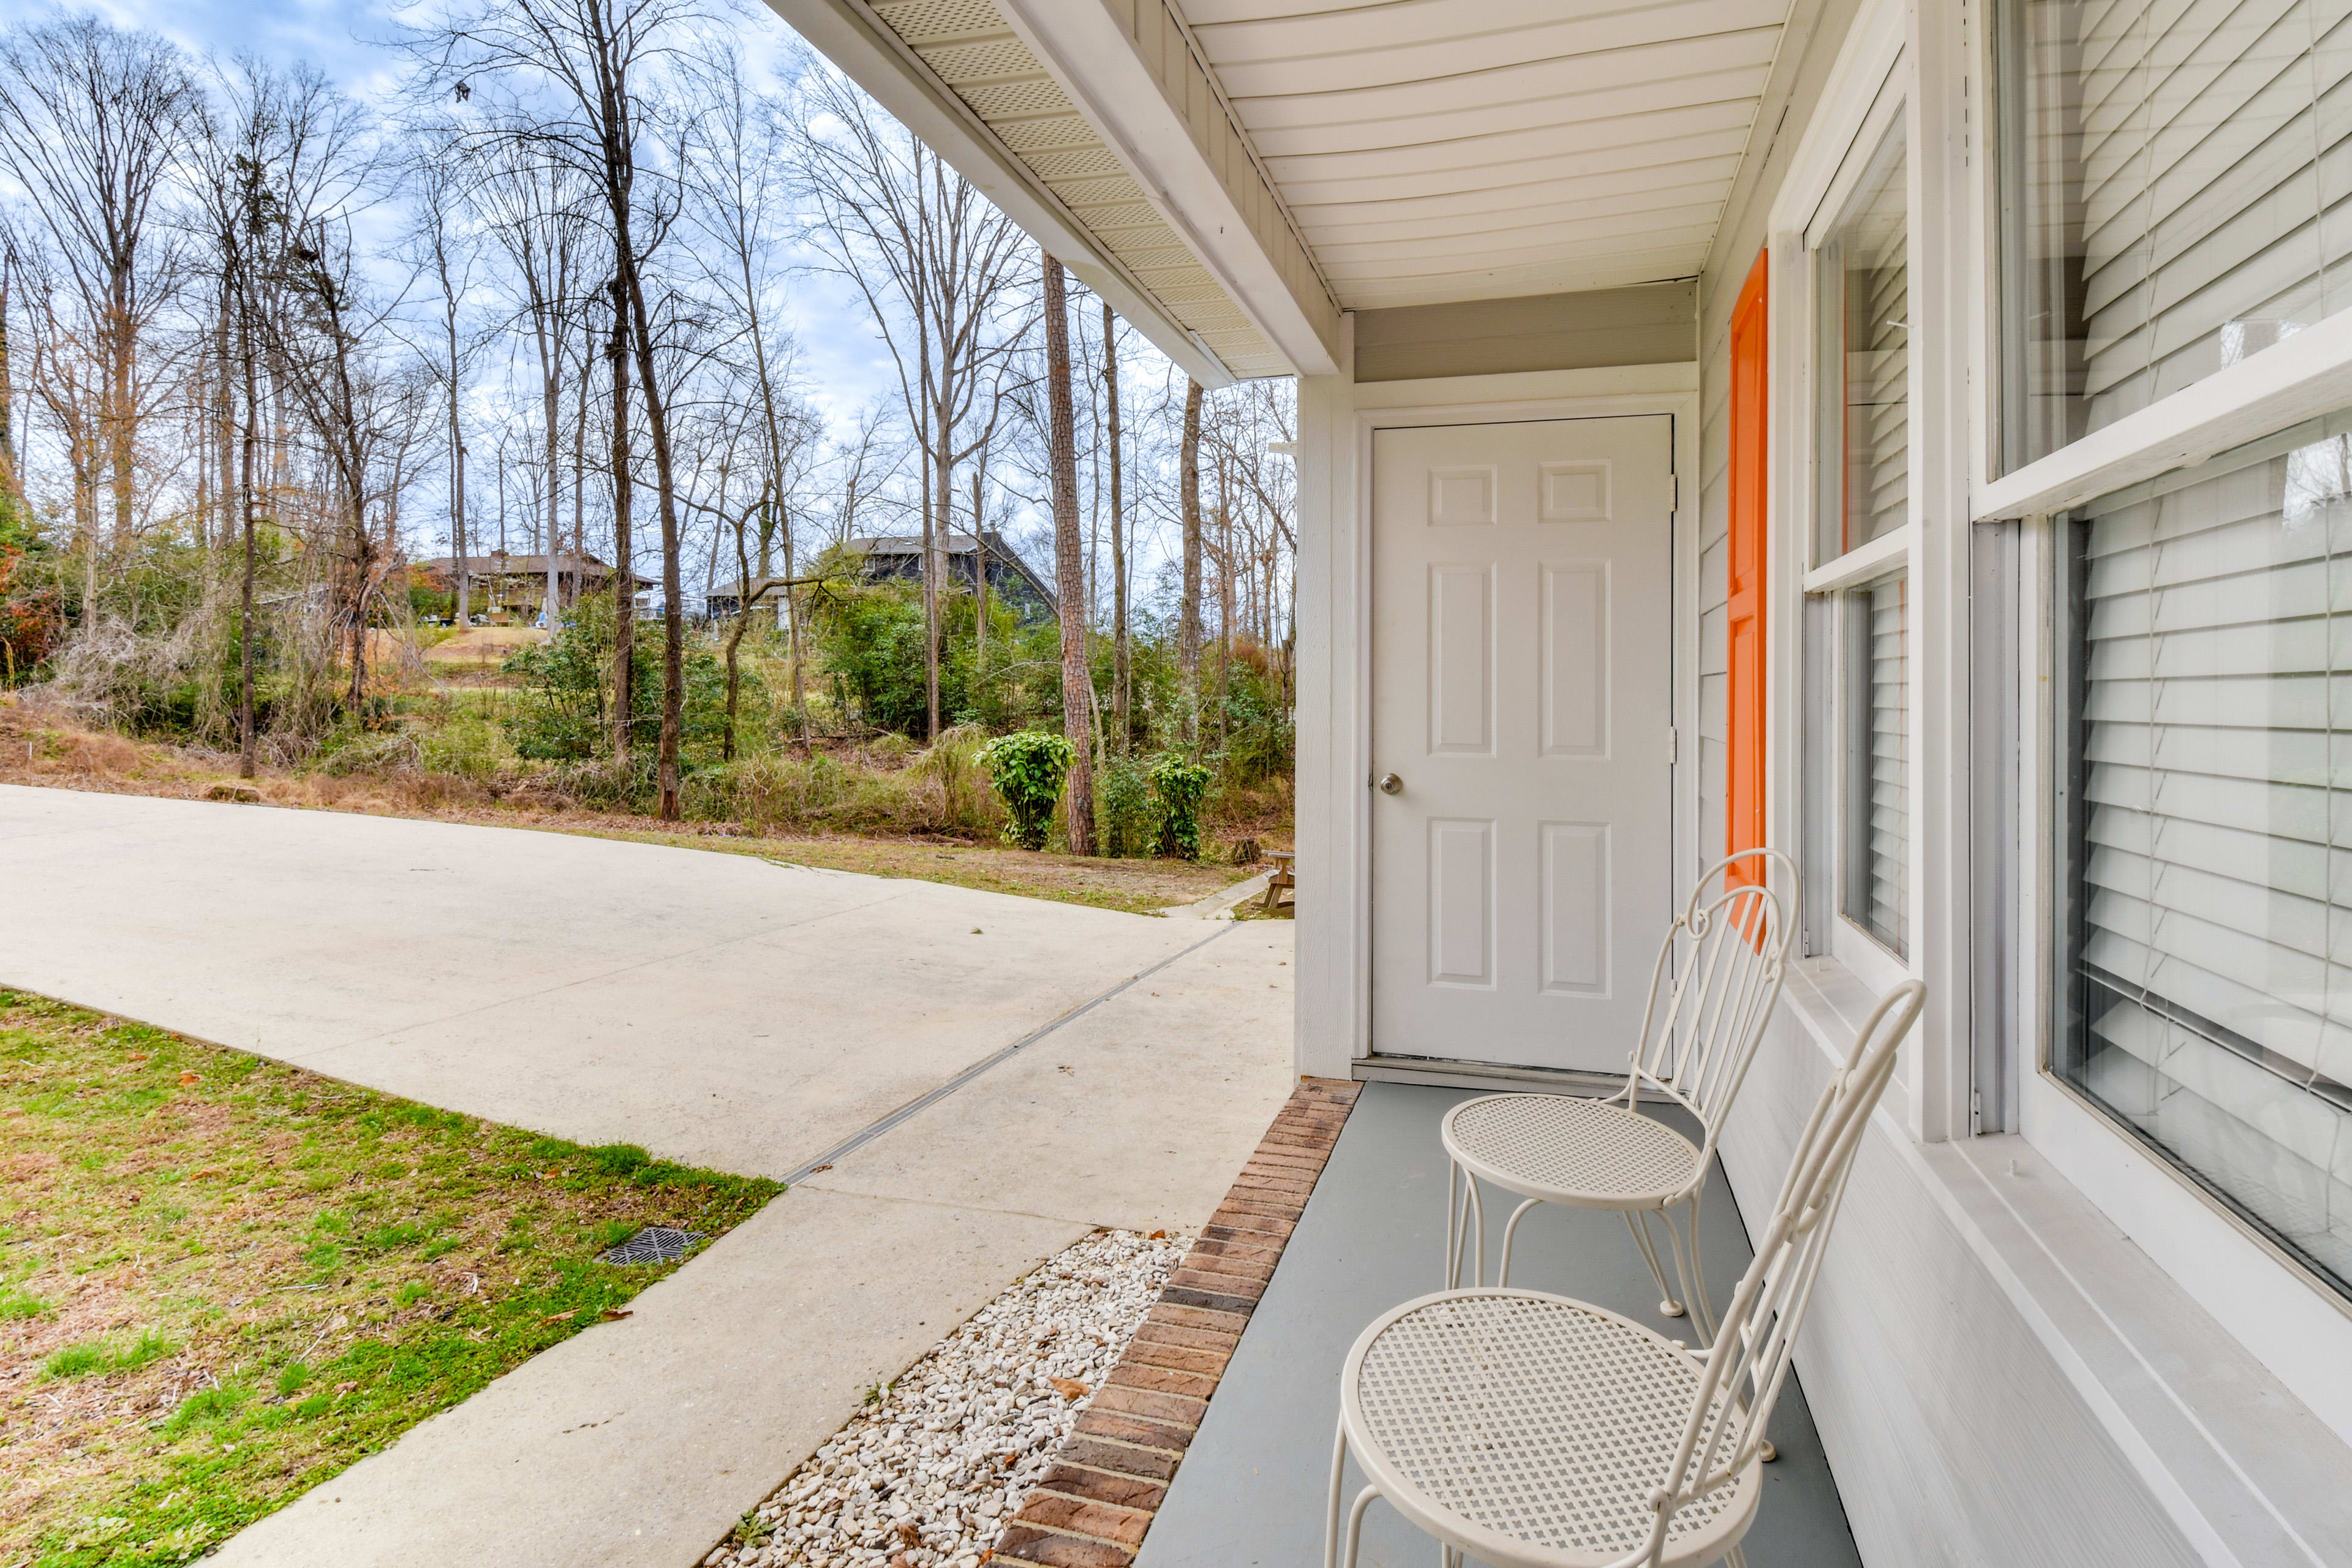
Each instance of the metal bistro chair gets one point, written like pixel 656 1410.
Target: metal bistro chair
pixel 1699 1031
pixel 1533 1431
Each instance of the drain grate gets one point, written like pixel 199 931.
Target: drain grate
pixel 654 1244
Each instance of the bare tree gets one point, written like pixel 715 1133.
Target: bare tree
pixel 913 236
pixel 534 207
pixel 92 121
pixel 435 183
pixel 1069 574
pixel 582 76
pixel 736 147
pixel 1188 613
pixel 1122 684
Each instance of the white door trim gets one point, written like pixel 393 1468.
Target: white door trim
pixel 1485 400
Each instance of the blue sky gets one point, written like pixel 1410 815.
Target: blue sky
pixel 844 363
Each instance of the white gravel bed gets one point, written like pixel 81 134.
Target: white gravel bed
pixel 930 1470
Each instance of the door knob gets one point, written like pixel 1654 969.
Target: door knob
pixel 1392 785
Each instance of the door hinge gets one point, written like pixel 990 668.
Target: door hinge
pixel 1674 746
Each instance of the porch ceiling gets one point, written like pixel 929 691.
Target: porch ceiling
pixel 1231 175
pixel 1443 150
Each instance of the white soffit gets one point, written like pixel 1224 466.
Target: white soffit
pixel 1431 151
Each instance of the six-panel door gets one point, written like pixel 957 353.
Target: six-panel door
pixel 1522 698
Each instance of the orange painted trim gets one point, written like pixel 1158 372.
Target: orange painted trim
pixel 1743 817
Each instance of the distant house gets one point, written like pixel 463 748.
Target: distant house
pixel 515 587
pixel 1009 576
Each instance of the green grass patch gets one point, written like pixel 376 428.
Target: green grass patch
pixel 228 1279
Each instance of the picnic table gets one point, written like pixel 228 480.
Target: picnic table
pixel 1283 878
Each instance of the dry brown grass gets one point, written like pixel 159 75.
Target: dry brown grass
pixel 42 749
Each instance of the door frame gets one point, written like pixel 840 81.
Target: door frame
pixel 1498 400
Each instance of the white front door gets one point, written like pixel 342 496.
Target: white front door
pixel 1522 681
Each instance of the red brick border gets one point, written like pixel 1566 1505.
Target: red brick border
pixel 1111 1474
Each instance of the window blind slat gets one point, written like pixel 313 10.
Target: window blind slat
pixel 2214 872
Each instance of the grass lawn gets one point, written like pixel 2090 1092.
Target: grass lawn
pixel 222 1280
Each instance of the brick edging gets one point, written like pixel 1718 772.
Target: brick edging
pixel 1107 1482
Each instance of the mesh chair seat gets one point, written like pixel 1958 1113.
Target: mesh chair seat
pixel 1589 1153
pixel 1532 1430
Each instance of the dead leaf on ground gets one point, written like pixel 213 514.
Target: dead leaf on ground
pixel 1068 1387
pixel 611 1314
pixel 560 1317
pixel 1158 1236
pixel 191 1077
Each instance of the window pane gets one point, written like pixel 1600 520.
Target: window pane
pixel 1878 762
pixel 2209 861
pixel 2163 170
pixel 1864 280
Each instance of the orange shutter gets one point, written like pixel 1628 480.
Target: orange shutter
pixel 1744 804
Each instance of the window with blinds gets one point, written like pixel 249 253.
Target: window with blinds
pixel 1864 279
pixel 1877 880
pixel 2210 887
pixel 2170 175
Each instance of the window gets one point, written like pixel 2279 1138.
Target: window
pixel 1859 627
pixel 2170 176
pixel 1744 611
pixel 1877 882
pixel 2207 734
pixel 1863 311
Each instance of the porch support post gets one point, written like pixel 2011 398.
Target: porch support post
pixel 1332 918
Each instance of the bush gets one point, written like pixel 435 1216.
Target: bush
pixel 1180 785
pixel 1027 769
pixel 1124 809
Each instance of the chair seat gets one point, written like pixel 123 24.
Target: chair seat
pixel 1531 1430
pixel 1566 1150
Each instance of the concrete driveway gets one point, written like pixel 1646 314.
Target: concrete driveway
pixel 988 1078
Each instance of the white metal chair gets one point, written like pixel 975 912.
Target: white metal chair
pixel 1718 976
pixel 1533 1431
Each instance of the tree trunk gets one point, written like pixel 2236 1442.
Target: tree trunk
pixel 672 710
pixel 248 745
pixel 1188 620
pixel 1122 716
pixel 1069 565
pixel 979 585
pixel 625 585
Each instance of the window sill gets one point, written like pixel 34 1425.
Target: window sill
pixel 2243 1466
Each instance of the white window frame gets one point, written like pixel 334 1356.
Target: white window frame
pixel 2303 1332
pixel 1870 93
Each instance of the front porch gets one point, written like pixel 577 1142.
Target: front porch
pixel 1253 1484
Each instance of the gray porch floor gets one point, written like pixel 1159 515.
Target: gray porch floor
pixel 1253 1485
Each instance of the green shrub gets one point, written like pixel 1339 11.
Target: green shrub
pixel 1027 769
pixel 1180 785
pixel 1125 812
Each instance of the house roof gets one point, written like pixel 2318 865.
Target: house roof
pixel 1239 172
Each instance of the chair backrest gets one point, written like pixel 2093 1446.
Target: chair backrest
pixel 1750 1359
pixel 1718 976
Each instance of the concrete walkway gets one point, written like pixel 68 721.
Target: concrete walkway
pixel 712 1009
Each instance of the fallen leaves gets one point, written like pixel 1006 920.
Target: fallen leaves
pixel 611 1314
pixel 560 1317
pixel 191 1077
pixel 1069 1387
